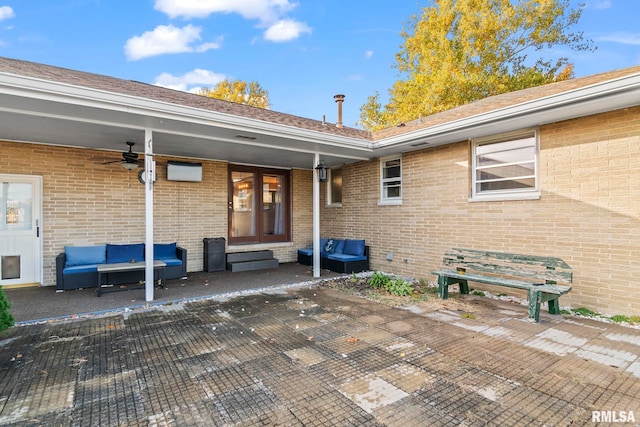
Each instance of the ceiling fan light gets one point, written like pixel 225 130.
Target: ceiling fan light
pixel 130 166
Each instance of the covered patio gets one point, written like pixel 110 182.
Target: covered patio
pixel 44 304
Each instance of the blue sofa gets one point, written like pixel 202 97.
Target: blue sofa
pixel 77 266
pixel 339 255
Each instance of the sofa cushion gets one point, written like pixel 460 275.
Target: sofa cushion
pixel 85 268
pixel 338 247
pixel 81 255
pixel 171 262
pixel 354 247
pixel 164 251
pixel 306 251
pixel 346 257
pixel 125 253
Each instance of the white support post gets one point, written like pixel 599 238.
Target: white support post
pixel 316 218
pixel 149 175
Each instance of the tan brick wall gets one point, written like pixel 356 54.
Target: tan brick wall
pixel 86 202
pixel 588 213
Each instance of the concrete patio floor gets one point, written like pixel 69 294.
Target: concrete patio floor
pixel 318 356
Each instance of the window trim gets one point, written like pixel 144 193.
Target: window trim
pixel 510 194
pixel 330 201
pixel 389 200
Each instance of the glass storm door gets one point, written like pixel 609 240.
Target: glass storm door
pixel 258 205
pixel 20 230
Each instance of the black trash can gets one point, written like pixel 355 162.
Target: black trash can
pixel 214 256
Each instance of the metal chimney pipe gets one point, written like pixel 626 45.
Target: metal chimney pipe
pixel 339 99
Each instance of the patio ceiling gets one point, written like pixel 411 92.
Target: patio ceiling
pixel 81 117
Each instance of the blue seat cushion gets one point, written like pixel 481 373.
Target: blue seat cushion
pixel 338 247
pixel 172 261
pixel 82 255
pixel 346 257
pixel 87 268
pixel 164 251
pixel 354 247
pixel 306 251
pixel 125 253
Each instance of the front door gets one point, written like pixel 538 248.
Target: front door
pixel 20 229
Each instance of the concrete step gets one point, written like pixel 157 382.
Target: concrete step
pixel 233 257
pixel 259 264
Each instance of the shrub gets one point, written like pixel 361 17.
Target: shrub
pixel 620 318
pixel 379 280
pixel 6 319
pixel 400 288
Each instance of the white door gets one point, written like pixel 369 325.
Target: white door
pixel 20 229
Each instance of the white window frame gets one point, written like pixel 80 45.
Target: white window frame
pixel 507 194
pixel 384 199
pixel 330 201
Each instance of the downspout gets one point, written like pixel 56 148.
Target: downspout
pixel 316 218
pixel 149 173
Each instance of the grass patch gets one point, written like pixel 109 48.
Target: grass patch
pixel 468 316
pixel 585 312
pixel 478 293
pixel 620 318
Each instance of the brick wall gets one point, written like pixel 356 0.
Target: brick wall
pixel 86 202
pixel 588 213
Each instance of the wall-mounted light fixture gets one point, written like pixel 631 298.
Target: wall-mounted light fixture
pixel 322 172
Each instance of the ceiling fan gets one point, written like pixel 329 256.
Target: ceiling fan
pixel 129 159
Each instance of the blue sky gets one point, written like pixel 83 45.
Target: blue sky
pixel 301 51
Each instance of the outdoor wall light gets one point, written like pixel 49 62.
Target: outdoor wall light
pixel 322 172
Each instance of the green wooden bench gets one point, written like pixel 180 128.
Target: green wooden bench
pixel 544 278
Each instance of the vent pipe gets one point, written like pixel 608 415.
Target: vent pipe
pixel 339 99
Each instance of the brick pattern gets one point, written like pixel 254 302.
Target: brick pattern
pixel 588 213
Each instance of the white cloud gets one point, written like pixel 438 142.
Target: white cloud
pixel 266 11
pixel 368 54
pixel 269 14
pixel 167 39
pixel 285 30
pixel 191 81
pixel 622 38
pixel 6 12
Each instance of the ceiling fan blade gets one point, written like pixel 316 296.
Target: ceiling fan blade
pixel 112 161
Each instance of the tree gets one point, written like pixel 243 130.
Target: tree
pixel 458 51
pixel 6 319
pixel 240 92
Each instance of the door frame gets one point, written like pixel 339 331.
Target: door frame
pixel 37 225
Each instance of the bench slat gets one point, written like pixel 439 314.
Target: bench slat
pixel 511 283
pixel 545 261
pixel 540 268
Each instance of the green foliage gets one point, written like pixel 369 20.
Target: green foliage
pixel 240 92
pixel 6 319
pixel 379 280
pixel 634 319
pixel 468 316
pixel 459 51
pixel 478 293
pixel 620 318
pixel 585 312
pixel 400 287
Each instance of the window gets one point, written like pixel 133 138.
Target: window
pixel 505 167
pixel 334 187
pixel 258 205
pixel 391 180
